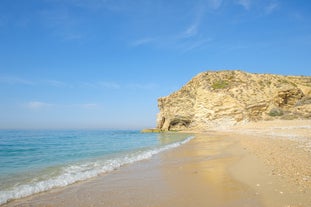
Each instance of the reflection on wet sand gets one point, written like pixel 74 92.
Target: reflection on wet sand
pixel 198 174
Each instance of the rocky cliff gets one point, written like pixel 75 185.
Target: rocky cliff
pixel 226 98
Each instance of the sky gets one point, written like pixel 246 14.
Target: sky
pixel 102 64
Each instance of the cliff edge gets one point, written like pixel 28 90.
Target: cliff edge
pixel 226 98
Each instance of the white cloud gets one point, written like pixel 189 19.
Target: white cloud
pixel 37 105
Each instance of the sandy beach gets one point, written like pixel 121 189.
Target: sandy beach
pixel 258 164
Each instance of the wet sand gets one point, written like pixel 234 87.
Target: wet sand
pixel 252 165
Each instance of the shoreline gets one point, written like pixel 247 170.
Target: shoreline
pixel 242 166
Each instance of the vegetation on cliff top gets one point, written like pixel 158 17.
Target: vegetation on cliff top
pixel 220 84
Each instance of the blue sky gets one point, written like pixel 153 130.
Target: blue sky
pixel 104 63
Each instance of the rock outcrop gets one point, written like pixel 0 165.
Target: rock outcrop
pixel 226 98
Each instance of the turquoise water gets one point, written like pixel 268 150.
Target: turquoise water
pixel 33 161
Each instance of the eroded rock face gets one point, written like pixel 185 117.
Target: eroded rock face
pixel 225 98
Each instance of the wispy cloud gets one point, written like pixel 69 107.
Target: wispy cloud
pixel 56 83
pixel 193 44
pixel 192 30
pixel 34 105
pixel 116 86
pixel 109 85
pixel 15 80
pixel 198 13
pixel 246 4
pixel 89 105
pixel 102 85
pixel 143 41
pixel 37 105
pixel 267 7
pixel 67 19
pixel 181 43
pixel 271 7
pixel 214 4
pixel 191 40
pixel 190 37
pixel 146 86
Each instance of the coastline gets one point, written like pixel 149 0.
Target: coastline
pixel 259 164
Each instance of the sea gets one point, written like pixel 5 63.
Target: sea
pixel 33 161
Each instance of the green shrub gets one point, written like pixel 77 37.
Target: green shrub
pixel 220 84
pixel 276 112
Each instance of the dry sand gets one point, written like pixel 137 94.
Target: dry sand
pixel 260 164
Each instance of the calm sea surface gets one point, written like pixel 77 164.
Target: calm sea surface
pixel 33 161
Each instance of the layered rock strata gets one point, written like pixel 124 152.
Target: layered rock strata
pixel 226 98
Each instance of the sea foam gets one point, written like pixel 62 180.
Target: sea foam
pixel 79 172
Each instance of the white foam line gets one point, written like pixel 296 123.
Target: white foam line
pixel 75 173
